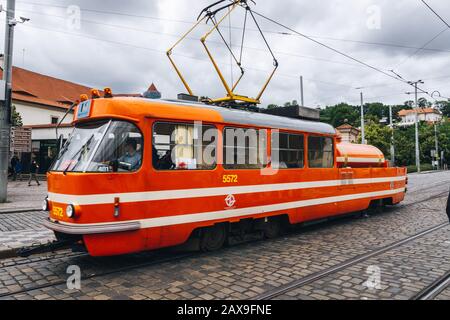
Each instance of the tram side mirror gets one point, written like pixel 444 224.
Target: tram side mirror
pixel 114 165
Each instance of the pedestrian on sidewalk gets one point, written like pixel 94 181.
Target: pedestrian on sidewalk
pixel 14 161
pixel 19 170
pixel 34 168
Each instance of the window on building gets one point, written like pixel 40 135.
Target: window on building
pixel 54 120
pixel 287 151
pixel 244 148
pixel 320 152
pixel 178 146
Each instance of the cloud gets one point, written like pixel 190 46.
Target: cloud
pixel 126 50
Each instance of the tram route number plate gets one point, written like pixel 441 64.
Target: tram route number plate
pixel 57 212
pixel 84 109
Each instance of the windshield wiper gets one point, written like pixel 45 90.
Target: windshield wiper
pixel 79 152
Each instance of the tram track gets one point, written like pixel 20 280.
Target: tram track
pixel 101 274
pixel 434 289
pixel 276 292
pixel 265 296
pixel 37 259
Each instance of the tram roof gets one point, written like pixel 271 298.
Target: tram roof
pixel 239 117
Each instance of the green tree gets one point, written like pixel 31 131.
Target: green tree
pixel 444 107
pixel 340 114
pixel 379 136
pixel 376 111
pixel 293 103
pixel 16 118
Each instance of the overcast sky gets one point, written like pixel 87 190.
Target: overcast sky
pixel 122 44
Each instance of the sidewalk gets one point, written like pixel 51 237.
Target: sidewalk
pixel 21 218
pixel 21 197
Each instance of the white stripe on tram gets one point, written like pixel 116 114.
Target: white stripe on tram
pixel 208 192
pixel 360 160
pixel 242 212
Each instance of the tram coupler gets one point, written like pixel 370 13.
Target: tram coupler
pixel 44 248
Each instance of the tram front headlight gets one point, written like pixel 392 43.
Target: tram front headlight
pixel 45 205
pixel 70 211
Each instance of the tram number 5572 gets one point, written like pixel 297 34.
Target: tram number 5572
pixel 230 178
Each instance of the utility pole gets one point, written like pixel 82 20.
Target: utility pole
pixel 301 92
pixel 363 132
pixel 415 83
pixel 436 145
pixel 5 110
pixel 391 121
pixel 5 107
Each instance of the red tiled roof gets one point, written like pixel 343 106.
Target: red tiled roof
pixel 29 86
pixel 152 88
pixel 419 110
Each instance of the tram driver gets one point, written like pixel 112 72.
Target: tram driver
pixel 131 160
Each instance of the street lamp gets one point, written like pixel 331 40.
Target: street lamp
pixel 415 83
pixel 363 131
pixel 436 140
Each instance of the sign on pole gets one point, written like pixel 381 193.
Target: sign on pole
pixel 20 139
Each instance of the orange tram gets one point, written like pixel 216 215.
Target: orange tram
pixel 118 187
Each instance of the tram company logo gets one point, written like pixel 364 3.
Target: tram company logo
pixel 230 201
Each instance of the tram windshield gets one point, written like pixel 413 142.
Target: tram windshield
pixel 104 146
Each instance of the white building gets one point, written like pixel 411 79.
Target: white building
pixel 430 115
pixel 42 102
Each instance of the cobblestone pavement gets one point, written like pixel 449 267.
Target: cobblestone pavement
pixel 22 197
pixel 445 295
pixel 398 274
pixel 23 229
pixel 245 271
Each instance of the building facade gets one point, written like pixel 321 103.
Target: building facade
pixel 42 101
pixel 408 117
pixel 349 133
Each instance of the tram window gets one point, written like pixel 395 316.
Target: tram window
pixel 105 146
pixel 178 146
pixel 320 152
pixel 244 148
pixel 287 151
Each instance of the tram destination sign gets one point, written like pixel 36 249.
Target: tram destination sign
pixel 20 139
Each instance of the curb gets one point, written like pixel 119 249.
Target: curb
pixel 19 210
pixel 428 172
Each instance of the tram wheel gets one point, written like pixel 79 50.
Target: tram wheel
pixel 272 228
pixel 213 238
